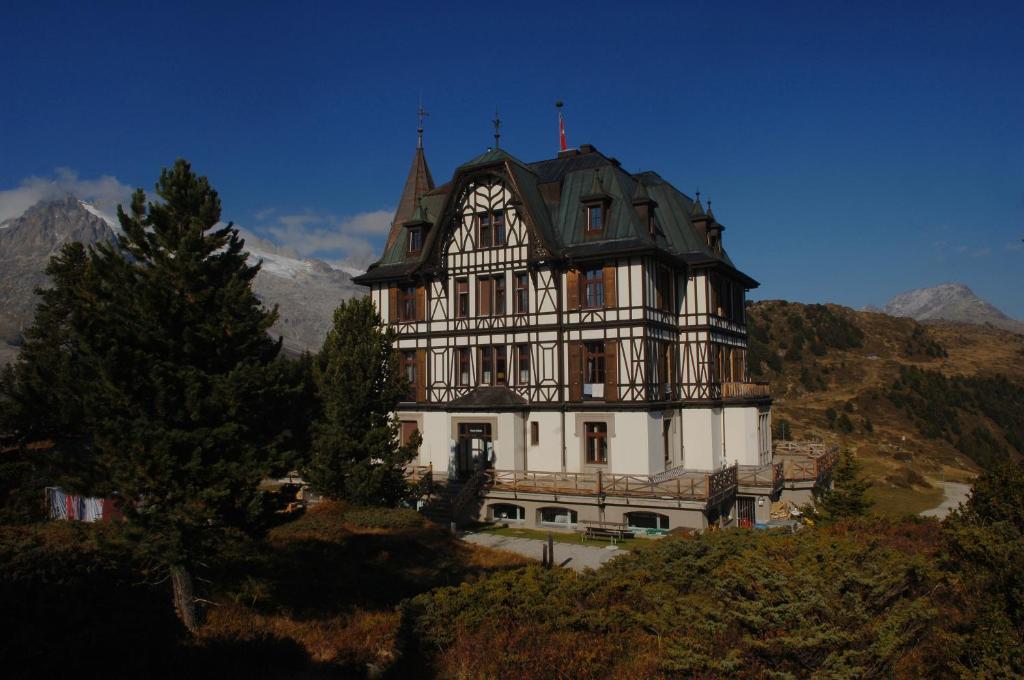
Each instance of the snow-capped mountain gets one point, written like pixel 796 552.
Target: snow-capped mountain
pixel 950 302
pixel 306 291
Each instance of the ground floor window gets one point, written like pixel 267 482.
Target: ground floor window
pixel 561 516
pixel 647 520
pixel 409 427
pixel 508 512
pixel 596 444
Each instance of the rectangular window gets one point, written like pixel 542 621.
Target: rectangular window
pixel 523 364
pixel 499 229
pixel 593 370
pixel 415 239
pixel 663 288
pixel 407 303
pixel 593 288
pixel 522 292
pixel 596 445
pixel 594 218
pixel 409 370
pixel 462 298
pixel 408 428
pixel 493 366
pixel 534 433
pixel 464 371
pixel 499 295
pixel 485 230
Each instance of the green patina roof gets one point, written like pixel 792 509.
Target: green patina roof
pixel 562 223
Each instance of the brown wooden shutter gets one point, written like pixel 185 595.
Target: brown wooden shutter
pixel 421 375
pixel 421 303
pixel 575 370
pixel 572 288
pixel 392 304
pixel 609 286
pixel 611 370
pixel 483 297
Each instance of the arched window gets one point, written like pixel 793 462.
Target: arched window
pixel 647 520
pixel 557 516
pixel 506 512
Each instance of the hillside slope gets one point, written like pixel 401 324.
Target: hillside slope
pixel 917 403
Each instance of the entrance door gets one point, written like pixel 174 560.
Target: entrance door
pixel 745 511
pixel 472 447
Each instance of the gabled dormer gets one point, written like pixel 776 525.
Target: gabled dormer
pixel 714 230
pixel 645 206
pixel 595 208
pixel 416 228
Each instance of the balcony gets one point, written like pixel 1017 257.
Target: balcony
pixel 746 390
pixel 806 461
pixel 686 485
pixel 767 478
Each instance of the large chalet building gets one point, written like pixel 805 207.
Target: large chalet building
pixel 575 342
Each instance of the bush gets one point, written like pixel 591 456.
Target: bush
pixel 383 518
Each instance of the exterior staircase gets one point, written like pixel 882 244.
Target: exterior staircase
pixel 440 506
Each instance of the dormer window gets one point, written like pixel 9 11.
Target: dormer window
pixel 595 218
pixel 415 240
pixel 491 229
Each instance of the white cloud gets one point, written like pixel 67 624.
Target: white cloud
pixel 104 192
pixel 1015 245
pixel 352 241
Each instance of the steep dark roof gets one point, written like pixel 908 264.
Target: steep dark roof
pixel 551 194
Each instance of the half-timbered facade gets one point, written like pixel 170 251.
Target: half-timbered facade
pixel 575 343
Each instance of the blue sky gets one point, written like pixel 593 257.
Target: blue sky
pixel 853 150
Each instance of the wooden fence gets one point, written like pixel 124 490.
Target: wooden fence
pixel 806 461
pixel 700 486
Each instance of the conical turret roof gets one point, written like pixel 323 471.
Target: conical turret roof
pixel 417 183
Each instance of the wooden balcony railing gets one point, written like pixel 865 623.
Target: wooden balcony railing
pixel 741 390
pixel 415 473
pixel 806 461
pixel 770 476
pixel 695 485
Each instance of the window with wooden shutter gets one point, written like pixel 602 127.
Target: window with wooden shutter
pixel 421 375
pixel 534 433
pixel 392 303
pixel 484 295
pixel 421 303
pixel 611 370
pixel 575 371
pixel 572 288
pixel 609 286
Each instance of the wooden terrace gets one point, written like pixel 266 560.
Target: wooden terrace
pixel 768 478
pixel 806 461
pixel 687 485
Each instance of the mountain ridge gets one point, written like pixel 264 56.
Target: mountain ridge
pixel 950 302
pixel 306 291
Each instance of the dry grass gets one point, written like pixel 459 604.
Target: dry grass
pixel 857 376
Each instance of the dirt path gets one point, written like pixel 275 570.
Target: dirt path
pixel 578 557
pixel 956 493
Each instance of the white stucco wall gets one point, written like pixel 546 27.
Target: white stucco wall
pixel 741 435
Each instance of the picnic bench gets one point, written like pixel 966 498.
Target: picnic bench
pixel 613 531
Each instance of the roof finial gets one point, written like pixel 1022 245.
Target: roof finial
pixel 421 113
pixel 497 129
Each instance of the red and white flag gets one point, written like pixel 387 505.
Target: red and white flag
pixel 561 133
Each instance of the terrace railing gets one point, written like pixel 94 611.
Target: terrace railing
pixel 769 476
pixel 806 461
pixel 742 390
pixel 692 485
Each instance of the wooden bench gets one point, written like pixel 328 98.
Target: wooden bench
pixel 614 531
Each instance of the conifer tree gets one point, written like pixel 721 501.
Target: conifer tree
pixel 175 388
pixel 355 449
pixel 847 498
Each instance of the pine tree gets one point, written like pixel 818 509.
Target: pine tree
pixel 177 392
pixel 847 498
pixel 355 449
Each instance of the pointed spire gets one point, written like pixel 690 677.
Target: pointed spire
pixel 421 114
pixel 697 210
pixel 418 182
pixel 711 215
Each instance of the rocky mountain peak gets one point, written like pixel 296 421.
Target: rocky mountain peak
pixel 950 302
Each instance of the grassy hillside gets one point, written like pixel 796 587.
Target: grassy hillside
pixel 917 403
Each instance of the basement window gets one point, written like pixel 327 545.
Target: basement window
pixel 506 512
pixel 563 517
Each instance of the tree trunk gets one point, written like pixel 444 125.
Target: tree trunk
pixel 184 598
